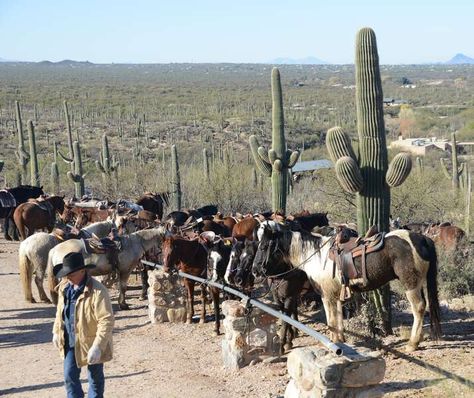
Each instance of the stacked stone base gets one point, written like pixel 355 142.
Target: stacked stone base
pixel 166 300
pixel 248 338
pixel 317 373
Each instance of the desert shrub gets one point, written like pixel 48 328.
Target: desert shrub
pixel 455 273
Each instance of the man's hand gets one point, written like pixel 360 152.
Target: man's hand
pixel 93 356
pixel 56 341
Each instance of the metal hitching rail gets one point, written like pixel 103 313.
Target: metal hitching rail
pixel 336 348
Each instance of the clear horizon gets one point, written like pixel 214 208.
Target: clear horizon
pixel 106 31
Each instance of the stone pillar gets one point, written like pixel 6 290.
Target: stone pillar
pixel 249 338
pixel 317 372
pixel 166 300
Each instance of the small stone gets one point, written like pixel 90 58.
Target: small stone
pixel 257 338
pixel 233 308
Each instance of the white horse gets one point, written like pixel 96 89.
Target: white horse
pixel 33 254
pixel 406 256
pixel 133 247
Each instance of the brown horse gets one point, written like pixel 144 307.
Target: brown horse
pixel 446 236
pixel 154 202
pixel 37 214
pixel 246 228
pixel 188 256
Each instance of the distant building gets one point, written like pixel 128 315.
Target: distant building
pixel 312 165
pixel 394 102
pixel 421 146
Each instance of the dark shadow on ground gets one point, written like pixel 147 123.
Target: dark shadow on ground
pixel 36 387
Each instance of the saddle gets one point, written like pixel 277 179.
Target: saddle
pixel 44 205
pixel 65 235
pixel 347 246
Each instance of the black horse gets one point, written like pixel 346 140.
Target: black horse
pixel 21 194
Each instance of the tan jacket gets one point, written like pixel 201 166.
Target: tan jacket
pixel 94 321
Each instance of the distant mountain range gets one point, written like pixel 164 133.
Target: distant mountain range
pixel 460 59
pixel 298 61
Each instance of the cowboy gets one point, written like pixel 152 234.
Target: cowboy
pixel 82 330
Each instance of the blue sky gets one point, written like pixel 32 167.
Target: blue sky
pixel 145 31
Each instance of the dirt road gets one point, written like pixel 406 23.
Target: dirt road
pixel 171 360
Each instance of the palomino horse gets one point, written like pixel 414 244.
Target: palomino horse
pixel 33 254
pixel 188 256
pixel 133 247
pixel 38 215
pixel 408 256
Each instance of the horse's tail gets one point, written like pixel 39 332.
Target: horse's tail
pixel 432 286
pixel 6 228
pixel 26 273
pixel 52 281
pixel 18 219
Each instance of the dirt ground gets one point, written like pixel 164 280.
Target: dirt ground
pixel 171 360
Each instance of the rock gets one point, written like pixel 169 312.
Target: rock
pixel 233 308
pixel 257 338
pixel 177 315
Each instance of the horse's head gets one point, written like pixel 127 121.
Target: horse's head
pixel 169 253
pixel 58 203
pixel 243 276
pixel 269 251
pixel 218 258
pixel 234 261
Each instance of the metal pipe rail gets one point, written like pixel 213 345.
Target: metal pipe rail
pixel 338 349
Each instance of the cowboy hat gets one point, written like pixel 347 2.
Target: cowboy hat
pixel 72 262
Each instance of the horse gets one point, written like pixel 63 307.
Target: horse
pixel 310 221
pixel 446 236
pixel 154 202
pixel 246 228
pixel 188 256
pixel 37 215
pixel 218 256
pixel 407 256
pixel 19 195
pixel 132 249
pixel 33 254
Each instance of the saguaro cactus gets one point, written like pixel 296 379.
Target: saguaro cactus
pixel 205 158
pixel 34 173
pixel 456 168
pixel 55 170
pixel 277 161
pixel 175 179
pixel 369 175
pixel 77 176
pixel 69 133
pixel 22 156
pixel 106 164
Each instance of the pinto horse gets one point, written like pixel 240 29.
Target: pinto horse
pixel 36 214
pixel 407 256
pixel 188 256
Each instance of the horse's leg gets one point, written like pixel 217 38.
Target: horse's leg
pixel 215 300
pixel 203 299
pixel 418 306
pixel 339 322
pixel 19 222
pixel 190 300
pixel 123 279
pixel 330 308
pixel 26 276
pixel 39 277
pixel 144 278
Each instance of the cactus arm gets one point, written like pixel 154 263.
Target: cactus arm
pixel 338 144
pixel 348 174
pixel 272 156
pixel 65 158
pixel 398 170
pixel 99 166
pixel 264 167
pixel 461 168
pixel 293 158
pixel 263 154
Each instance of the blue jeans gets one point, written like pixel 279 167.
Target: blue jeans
pixel 95 376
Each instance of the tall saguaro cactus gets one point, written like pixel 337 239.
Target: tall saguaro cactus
pixel 175 179
pixel 456 168
pixel 22 156
pixel 106 164
pixel 34 172
pixel 77 176
pixel 205 158
pixel 277 161
pixel 369 175
pixel 69 133
pixel 55 170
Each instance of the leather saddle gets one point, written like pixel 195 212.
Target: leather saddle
pixel 347 247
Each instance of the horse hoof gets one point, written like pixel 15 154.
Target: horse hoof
pixel 217 333
pixel 410 347
pixel 124 307
pixel 31 300
pixel 47 301
pixel 202 321
pixel 189 321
